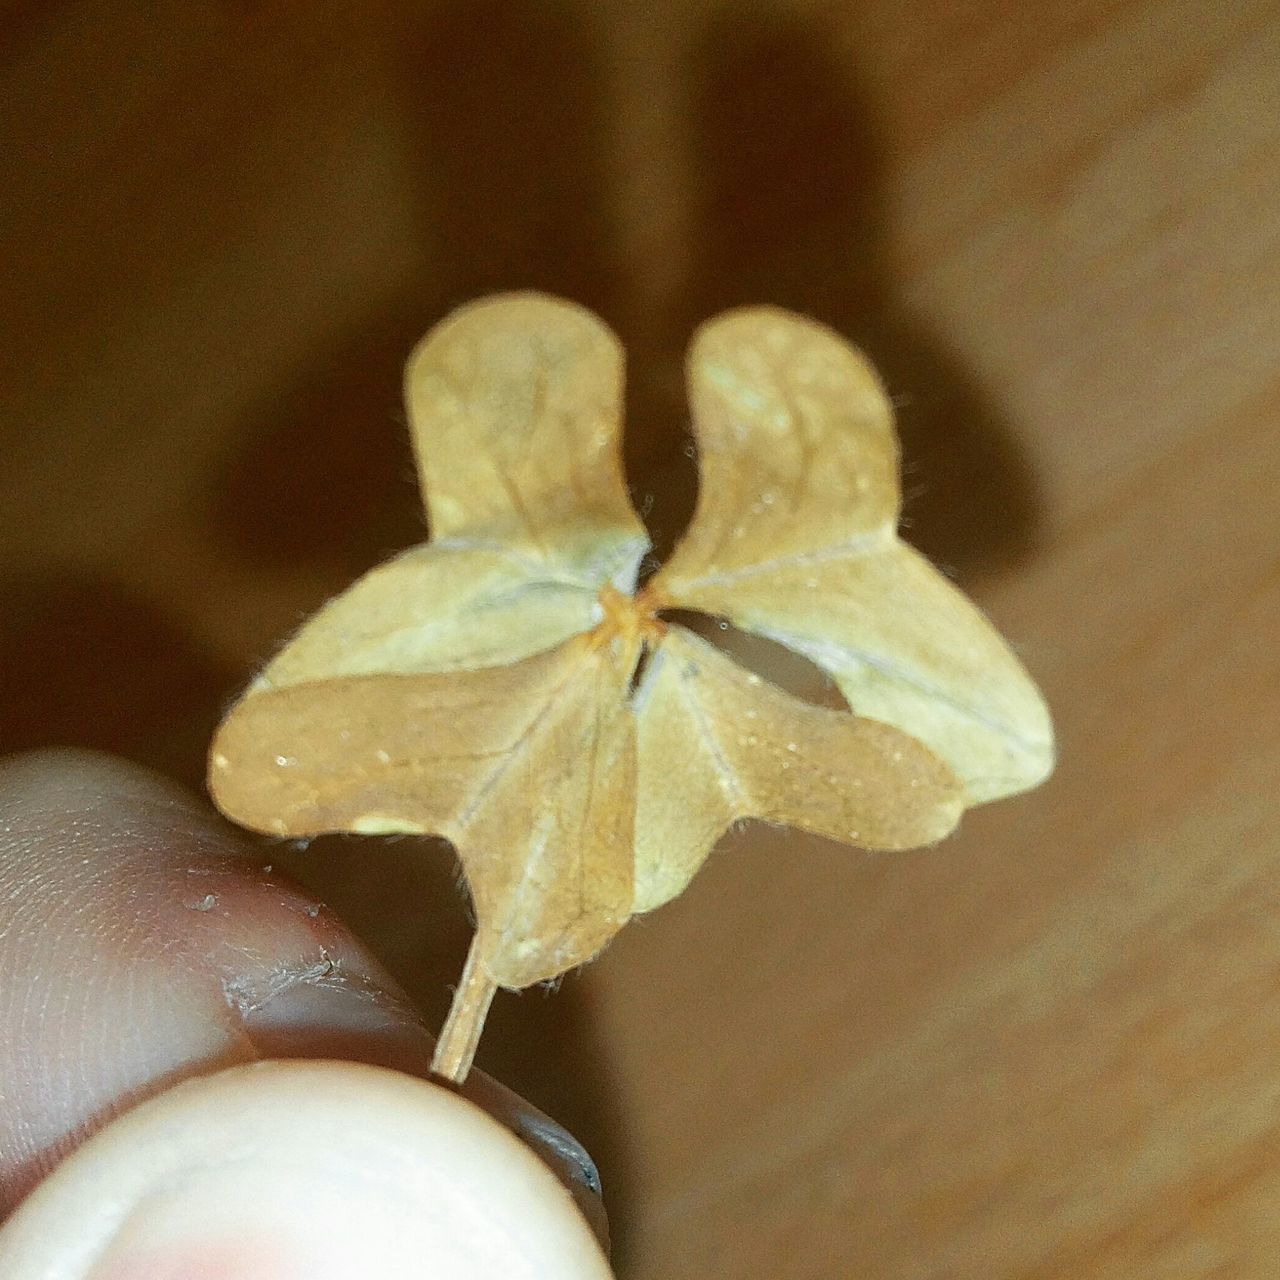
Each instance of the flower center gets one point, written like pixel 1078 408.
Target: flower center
pixel 631 621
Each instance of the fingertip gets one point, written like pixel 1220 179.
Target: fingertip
pixel 269 1171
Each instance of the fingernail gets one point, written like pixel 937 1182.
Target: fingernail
pixel 551 1142
pixel 541 1131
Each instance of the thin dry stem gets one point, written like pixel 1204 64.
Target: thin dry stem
pixel 456 1047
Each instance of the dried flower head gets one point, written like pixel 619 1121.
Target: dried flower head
pixel 505 684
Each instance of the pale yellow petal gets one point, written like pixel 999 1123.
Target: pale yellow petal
pixel 794 538
pixel 527 768
pixel 435 609
pixel 716 743
pixel 796 449
pixel 515 405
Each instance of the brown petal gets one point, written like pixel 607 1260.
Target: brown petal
pixel 528 769
pixel 796 450
pixel 515 404
pixel 716 743
pixel 547 844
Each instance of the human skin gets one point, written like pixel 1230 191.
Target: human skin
pixel 203 1073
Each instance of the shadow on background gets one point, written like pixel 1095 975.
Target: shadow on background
pixel 791 211
pixel 508 108
pixel 88 663
pixel 505 103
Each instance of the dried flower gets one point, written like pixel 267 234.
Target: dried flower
pixel 506 685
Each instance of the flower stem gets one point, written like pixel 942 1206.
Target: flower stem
pixel 460 1035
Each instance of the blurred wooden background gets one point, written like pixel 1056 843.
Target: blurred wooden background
pixel 1050 1048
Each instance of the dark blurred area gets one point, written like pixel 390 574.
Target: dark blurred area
pixel 223 231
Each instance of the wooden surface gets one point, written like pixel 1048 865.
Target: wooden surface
pixel 1049 1048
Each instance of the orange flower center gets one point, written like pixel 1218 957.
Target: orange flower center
pixel 631 621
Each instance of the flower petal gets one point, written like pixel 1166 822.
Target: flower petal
pixel 904 646
pixel 794 539
pixel 515 409
pixel 716 743
pixel 529 769
pixel 435 609
pixel 796 449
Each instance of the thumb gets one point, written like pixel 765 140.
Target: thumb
pixel 284 1170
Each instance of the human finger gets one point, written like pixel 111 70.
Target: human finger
pixel 284 1170
pixel 142 943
